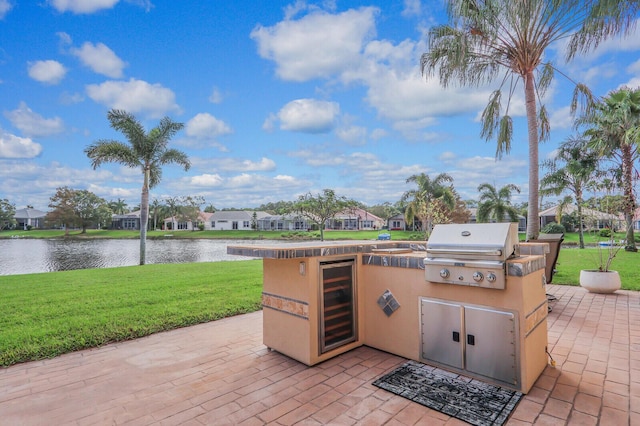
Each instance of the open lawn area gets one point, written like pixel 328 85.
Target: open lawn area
pixel 45 315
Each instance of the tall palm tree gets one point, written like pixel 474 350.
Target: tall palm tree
pixel 496 204
pixel 614 131
pixel 489 37
pixel 119 206
pixel 145 150
pixel 573 169
pixel 424 201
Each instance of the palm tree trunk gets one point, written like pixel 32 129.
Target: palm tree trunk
pixel 580 219
pixel 144 216
pixel 629 201
pixel 533 220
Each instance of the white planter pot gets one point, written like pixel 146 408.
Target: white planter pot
pixel 600 282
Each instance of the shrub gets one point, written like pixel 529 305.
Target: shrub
pixel 605 233
pixel 553 228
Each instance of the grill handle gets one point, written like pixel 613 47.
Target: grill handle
pixel 490 252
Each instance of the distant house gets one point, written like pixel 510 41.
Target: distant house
pixel 398 223
pixel 223 220
pixel 175 223
pixel 355 220
pixel 593 219
pixel 129 221
pixel 287 222
pixel 29 218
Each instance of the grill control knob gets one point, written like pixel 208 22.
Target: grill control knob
pixel 491 277
pixel 477 276
pixel 444 273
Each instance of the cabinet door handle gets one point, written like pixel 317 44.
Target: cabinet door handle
pixel 456 336
pixel 471 339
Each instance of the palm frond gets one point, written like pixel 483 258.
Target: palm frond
pixel 110 151
pixel 505 136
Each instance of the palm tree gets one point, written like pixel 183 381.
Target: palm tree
pixel 118 207
pixel 573 169
pixel 614 131
pixel 145 150
pixel 489 37
pixel 496 204
pixel 424 202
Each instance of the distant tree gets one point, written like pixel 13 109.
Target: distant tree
pixel 318 209
pixel 572 170
pixel 7 214
pixel 78 208
pixel 173 205
pixel 210 209
pixel 119 206
pixel 496 204
pixel 157 210
pixel 190 209
pixel 420 201
pixel 148 151
pixel 277 208
pixel 254 221
pixel 461 212
pixel 384 211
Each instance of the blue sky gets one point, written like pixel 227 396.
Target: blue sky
pixel 278 99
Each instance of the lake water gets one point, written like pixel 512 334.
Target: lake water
pixel 26 256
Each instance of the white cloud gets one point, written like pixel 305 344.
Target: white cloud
pixel 312 47
pixel 12 146
pixel 411 8
pixel 561 118
pixel 351 134
pixel 100 59
pixel 67 98
pixel 318 44
pixel 378 134
pixel 216 96
pixel 5 7
pixel 65 38
pixel 82 6
pixel 134 96
pixel 47 72
pixel 634 68
pixel 206 126
pixel 33 124
pixel 206 180
pixel 308 115
pixel 234 164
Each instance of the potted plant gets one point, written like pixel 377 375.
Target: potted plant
pixel 602 279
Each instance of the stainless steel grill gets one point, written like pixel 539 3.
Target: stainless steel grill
pixel 472 254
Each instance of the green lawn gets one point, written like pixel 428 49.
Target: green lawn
pixel 44 315
pixel 572 260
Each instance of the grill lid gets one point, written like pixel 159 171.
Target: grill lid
pixel 496 241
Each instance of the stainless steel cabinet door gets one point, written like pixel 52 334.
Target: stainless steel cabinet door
pixel 491 343
pixel 442 333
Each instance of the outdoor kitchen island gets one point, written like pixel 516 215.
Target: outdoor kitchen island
pixel 322 299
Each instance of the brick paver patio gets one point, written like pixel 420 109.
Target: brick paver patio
pixel 220 373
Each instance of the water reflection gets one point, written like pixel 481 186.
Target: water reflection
pixel 25 256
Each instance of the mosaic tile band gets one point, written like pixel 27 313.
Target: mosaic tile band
pixel 289 306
